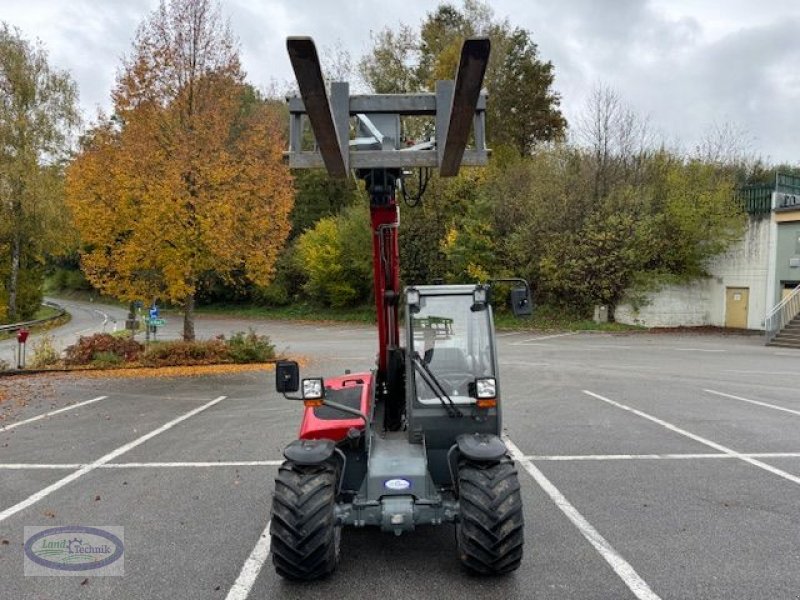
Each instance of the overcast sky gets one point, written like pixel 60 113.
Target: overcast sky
pixel 685 64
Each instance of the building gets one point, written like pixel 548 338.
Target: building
pixel 749 280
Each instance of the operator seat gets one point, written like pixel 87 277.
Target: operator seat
pixel 449 360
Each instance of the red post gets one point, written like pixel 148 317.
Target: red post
pixel 22 338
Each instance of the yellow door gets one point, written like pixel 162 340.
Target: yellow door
pixel 736 307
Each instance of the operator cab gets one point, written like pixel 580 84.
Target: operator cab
pixel 450 342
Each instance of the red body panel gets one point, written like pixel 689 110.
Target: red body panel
pixel 313 428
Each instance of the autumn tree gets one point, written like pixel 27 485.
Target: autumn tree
pixel 38 113
pixel 185 181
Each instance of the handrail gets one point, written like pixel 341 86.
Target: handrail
pixel 780 316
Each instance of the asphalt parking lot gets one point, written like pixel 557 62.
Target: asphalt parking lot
pixel 652 466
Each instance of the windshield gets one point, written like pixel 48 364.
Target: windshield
pixel 455 344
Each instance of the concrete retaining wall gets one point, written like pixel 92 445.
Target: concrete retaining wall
pixel 744 265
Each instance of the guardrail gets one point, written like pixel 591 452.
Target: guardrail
pixel 779 317
pixel 15 326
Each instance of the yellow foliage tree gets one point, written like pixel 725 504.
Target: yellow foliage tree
pixel 186 179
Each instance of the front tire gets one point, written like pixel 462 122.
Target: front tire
pixel 489 533
pixel 304 532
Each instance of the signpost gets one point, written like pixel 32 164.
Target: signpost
pixel 153 321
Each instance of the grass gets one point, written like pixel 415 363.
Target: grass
pixel 85 296
pixel 45 312
pixel 292 312
pixel 545 318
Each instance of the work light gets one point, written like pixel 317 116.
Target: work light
pixel 412 299
pixel 313 389
pixel 485 388
pixel 480 298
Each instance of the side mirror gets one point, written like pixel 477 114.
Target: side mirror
pixel 521 302
pixel 287 376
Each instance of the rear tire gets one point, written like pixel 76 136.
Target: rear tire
pixel 305 535
pixel 489 533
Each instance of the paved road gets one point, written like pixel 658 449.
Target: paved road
pixel 93 317
pixel 652 466
pixel 86 318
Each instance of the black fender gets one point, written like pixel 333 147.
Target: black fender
pixel 481 447
pixel 309 452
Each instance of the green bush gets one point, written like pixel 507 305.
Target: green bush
pixel 106 359
pixel 45 353
pixel 250 347
pixel 287 282
pixel 335 257
pixel 61 279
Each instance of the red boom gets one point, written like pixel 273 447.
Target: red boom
pixel 386 278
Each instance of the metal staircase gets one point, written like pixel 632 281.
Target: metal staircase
pixel 782 325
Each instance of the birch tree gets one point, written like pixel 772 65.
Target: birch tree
pixel 38 114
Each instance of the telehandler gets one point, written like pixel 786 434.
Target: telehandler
pixel 417 440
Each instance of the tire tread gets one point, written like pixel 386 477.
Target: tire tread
pixel 489 534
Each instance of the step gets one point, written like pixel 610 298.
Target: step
pixel 793 333
pixel 789 337
pixel 779 344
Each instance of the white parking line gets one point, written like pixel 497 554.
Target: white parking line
pixel 700 439
pixel 757 402
pixel 698 350
pixel 523 363
pixel 144 465
pixel 169 465
pixel 621 567
pixel 579 457
pixel 23 466
pixel 251 568
pixel 277 463
pixel 756 372
pixel 11 426
pixel 33 499
pixel 544 337
pixel 611 346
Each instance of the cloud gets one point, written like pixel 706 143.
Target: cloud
pixel 686 64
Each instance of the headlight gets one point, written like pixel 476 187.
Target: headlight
pixel 313 389
pixel 485 388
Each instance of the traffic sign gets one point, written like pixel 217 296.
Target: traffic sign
pixel 157 322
